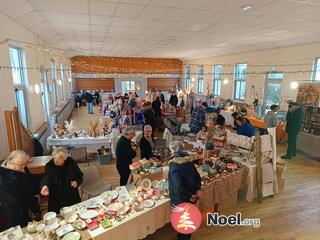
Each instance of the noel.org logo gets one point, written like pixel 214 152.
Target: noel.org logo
pixel 185 218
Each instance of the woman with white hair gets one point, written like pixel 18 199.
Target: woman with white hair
pixel 125 152
pixel 17 190
pixel 61 181
pixel 146 143
pixel 184 179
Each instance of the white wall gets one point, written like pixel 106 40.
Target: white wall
pixel 282 58
pixel 35 57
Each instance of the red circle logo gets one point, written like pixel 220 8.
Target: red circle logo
pixel 185 218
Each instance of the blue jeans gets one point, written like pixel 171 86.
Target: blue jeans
pixel 90 107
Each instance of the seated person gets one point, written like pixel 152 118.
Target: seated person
pixel 146 143
pixel 244 128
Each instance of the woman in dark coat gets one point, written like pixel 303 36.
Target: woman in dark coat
pixel 149 116
pixel 17 190
pixel 61 181
pixel 184 179
pixel 146 143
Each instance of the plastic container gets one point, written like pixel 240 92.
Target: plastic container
pixel 104 158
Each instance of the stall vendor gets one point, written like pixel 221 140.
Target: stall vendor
pixel 244 127
pixel 125 152
pixel 61 180
pixel 146 143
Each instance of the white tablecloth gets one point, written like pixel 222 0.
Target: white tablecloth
pixel 88 142
pixel 137 225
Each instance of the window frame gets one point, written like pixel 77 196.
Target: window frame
pixel 240 81
pixel 201 79
pixel 187 77
pixel 315 69
pixel 271 80
pixel 21 87
pixel 216 80
pixel 54 82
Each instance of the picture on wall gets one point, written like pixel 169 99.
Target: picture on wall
pixel 309 94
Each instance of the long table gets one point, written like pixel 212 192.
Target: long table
pixel 88 142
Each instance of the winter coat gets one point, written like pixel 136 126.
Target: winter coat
pixel 245 130
pixel 149 118
pixel 198 120
pixel 156 106
pixel 58 179
pixel 17 190
pixel 124 152
pixel 294 121
pixel 145 148
pixel 88 97
pixel 173 100
pixel 184 179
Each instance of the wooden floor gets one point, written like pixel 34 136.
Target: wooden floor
pixel 292 215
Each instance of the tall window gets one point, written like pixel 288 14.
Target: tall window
pixel 62 81
pixel 200 79
pixel 316 70
pixel 54 83
pixel 187 76
pixel 217 79
pixel 19 75
pixel 273 89
pixel 240 77
pixel 44 93
pixel 128 86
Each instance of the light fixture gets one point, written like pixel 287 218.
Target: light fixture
pixel 146 91
pixel 70 79
pixel 294 85
pixel 36 88
pixel 246 8
pixel 226 81
pixel 60 82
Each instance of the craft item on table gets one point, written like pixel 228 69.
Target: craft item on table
pixel 146 184
pixel 145 163
pixel 32 227
pixel 106 223
pixel 80 224
pixel 123 210
pixel 123 194
pixel 49 217
pixel 148 203
pixel 115 207
pixel 205 168
pixel 94 203
pixel 131 188
pixel 208 150
pixel 135 166
pixel 266 144
pixel 64 230
pixel 72 236
pixel 231 166
pixel 93 225
pixel 220 166
pixel 88 214
pixel 239 140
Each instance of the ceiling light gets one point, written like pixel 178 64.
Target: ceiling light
pixel 60 82
pixel 193 79
pixel 37 88
pixel 226 81
pixel 294 85
pixel 246 8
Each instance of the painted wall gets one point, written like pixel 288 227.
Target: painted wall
pixel 35 57
pixel 288 59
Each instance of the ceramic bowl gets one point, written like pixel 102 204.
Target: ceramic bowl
pixel 48 217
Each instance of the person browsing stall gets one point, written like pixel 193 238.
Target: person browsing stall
pixel 184 179
pixel 146 143
pixel 244 127
pixel 17 190
pixel 61 180
pixel 198 118
pixel 125 152
pixel 270 118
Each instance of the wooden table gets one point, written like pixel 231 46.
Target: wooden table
pixel 36 166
